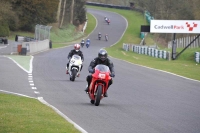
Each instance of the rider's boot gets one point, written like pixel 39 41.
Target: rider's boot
pixel 106 94
pixel 67 72
pixel 87 89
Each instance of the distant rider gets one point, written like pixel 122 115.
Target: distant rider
pixel 99 35
pixel 88 42
pixel 106 37
pixel 82 42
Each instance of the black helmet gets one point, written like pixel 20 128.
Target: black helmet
pixel 102 54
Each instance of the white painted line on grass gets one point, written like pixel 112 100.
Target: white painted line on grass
pixel 17 94
pixel 17 64
pixel 63 115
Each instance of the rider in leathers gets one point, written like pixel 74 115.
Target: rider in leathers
pixel 74 51
pixel 101 59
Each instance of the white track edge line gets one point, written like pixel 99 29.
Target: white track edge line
pixel 17 94
pixel 61 114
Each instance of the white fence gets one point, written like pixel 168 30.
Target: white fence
pixel 197 57
pixel 183 42
pixel 153 52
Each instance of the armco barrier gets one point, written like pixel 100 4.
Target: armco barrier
pixel 197 57
pixel 108 5
pixel 153 52
pixel 126 47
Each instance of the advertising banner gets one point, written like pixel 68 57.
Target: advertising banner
pixel 175 26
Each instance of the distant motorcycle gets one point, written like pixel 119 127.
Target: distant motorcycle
pixel 105 18
pixel 88 43
pixel 82 43
pixel 106 37
pixel 108 21
pixel 99 36
pixel 75 66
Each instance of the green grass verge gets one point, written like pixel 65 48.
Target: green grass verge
pixel 26 115
pixel 23 61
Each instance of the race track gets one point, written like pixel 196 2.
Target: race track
pixel 141 100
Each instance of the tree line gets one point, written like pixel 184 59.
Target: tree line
pixel 163 9
pixel 25 14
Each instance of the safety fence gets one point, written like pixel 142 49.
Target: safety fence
pixel 183 42
pixel 197 57
pixel 147 50
pixel 42 32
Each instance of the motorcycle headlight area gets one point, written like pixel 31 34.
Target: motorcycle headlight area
pixel 72 61
pixel 102 76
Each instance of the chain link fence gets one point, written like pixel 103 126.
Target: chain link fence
pixel 42 32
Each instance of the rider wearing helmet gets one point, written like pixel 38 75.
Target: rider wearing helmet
pixel 99 35
pixel 101 59
pixel 74 51
pixel 88 40
pixel 82 42
pixel 106 37
pixel 105 18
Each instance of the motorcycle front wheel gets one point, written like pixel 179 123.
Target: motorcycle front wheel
pixel 74 72
pixel 98 95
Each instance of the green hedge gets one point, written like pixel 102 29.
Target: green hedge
pixel 4 30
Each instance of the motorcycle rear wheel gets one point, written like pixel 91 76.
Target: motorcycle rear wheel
pixel 98 95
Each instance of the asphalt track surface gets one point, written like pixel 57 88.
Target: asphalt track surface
pixel 141 100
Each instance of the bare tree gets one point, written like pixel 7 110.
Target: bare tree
pixel 63 14
pixel 59 9
pixel 72 12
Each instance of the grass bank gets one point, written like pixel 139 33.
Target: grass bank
pixel 26 115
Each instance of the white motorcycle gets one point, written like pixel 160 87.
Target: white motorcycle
pixel 75 65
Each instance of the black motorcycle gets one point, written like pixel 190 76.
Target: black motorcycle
pixel 99 36
pixel 82 44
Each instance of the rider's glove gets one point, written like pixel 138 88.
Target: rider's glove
pixel 112 75
pixel 91 71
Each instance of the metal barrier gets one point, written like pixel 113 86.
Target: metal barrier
pixel 197 57
pixel 153 52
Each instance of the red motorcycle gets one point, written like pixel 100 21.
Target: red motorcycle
pixel 99 83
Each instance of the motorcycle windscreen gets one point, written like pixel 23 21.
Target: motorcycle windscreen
pixel 76 57
pixel 102 68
